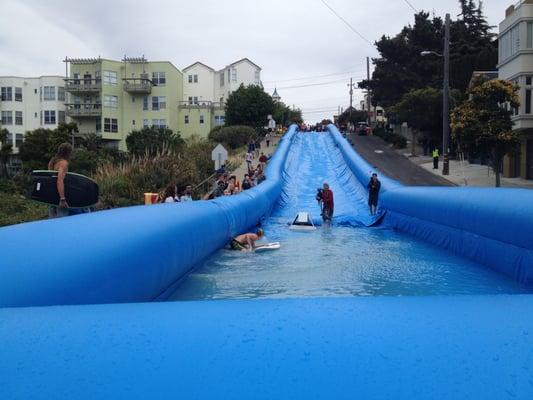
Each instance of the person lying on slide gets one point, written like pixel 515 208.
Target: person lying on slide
pixel 246 241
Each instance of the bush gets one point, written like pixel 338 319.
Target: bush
pixel 397 141
pixel 233 136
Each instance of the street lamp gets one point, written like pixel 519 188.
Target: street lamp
pixel 445 96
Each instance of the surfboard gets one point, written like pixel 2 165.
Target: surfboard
pixel 80 191
pixel 267 246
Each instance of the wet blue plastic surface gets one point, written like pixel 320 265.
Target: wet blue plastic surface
pixel 440 347
pixel 341 261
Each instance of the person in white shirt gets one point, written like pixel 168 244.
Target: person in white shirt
pixel 170 195
pixel 249 157
pixel 187 195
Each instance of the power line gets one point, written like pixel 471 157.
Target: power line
pixel 410 5
pixel 348 24
pixel 316 76
pixel 309 84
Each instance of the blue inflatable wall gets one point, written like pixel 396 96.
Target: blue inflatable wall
pixel 129 254
pixel 491 226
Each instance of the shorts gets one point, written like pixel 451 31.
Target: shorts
pixel 327 214
pixel 373 201
pixel 236 245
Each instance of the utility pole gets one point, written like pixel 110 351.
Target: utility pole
pixel 446 101
pixel 368 90
pixel 351 85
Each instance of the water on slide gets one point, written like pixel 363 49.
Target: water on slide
pixel 345 259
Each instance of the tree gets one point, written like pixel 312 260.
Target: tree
pixel 5 151
pixel 352 115
pixel 152 140
pixel 249 106
pixel 284 115
pixel 233 136
pixel 484 121
pixel 40 145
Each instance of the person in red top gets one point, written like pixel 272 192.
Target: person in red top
pixel 327 203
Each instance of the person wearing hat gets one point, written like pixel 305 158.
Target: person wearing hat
pixel 246 241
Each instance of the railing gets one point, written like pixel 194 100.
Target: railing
pixel 83 85
pixel 83 110
pixel 200 104
pixel 137 85
pixel 205 187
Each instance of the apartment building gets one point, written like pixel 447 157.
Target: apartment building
pixel 206 90
pixel 112 98
pixel 30 103
pixel 515 63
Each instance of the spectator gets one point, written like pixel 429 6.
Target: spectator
pixel 220 188
pixel 236 184
pixel 249 157
pixel 247 183
pixel 268 136
pixel 373 193
pixel 187 195
pixel 170 194
pixel 260 177
pixel 59 163
pixel 263 160
pixel 251 147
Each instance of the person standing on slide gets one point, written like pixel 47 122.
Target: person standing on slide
pixel 373 193
pixel 327 203
pixel 59 163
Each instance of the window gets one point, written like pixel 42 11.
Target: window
pixel 132 99
pixel 528 101
pixel 7 117
pixel 50 117
pixel 98 126
pixel 190 78
pixel 530 35
pixel 193 100
pixel 228 75
pixel 186 119
pixel 111 101
pixel 49 93
pixel 201 119
pixel 190 99
pixel 18 117
pixel 158 78
pixel 34 115
pixel 219 120
pixel 9 139
pixel 133 122
pixel 7 94
pixel 257 76
pixel 34 91
pixel 234 75
pixel 159 103
pixel 60 93
pixel 110 124
pixel 195 78
pixel 61 117
pixel 19 137
pixel 145 123
pixel 110 77
pixel 145 103
pixel 18 94
pixel 221 78
pixel 528 80
pixel 159 123
pixel 509 43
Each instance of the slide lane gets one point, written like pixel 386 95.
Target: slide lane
pixel 313 159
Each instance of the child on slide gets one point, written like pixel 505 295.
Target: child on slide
pixel 246 241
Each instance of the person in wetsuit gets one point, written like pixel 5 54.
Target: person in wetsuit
pixel 246 241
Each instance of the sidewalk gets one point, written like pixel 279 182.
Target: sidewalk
pixel 466 174
pixel 243 168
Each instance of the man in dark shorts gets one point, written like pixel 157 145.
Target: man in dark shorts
pixel 373 193
pixel 246 241
pixel 327 203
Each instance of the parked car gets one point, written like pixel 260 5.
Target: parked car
pixel 362 129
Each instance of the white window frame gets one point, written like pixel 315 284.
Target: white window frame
pixel 159 78
pixel 50 117
pixel 186 119
pixel 18 91
pixel 202 119
pixel 110 101
pixel 110 77
pixel 19 118
pixel 49 93
pixel 7 118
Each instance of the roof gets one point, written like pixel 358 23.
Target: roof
pixel 200 63
pixel 245 60
pixel 275 94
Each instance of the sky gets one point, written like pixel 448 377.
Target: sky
pixel 305 51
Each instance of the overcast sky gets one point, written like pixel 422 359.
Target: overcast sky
pixel 289 39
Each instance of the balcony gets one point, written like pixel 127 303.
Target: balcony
pixel 85 110
pixel 137 85
pixel 200 104
pixel 83 86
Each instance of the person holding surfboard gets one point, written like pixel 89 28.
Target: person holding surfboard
pixel 246 241
pixel 59 163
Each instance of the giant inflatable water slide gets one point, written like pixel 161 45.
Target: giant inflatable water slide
pixel 83 311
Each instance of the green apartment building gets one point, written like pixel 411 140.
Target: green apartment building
pixel 112 98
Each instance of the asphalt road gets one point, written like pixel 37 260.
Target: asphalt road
pixel 393 164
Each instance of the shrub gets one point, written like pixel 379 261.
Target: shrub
pixel 233 136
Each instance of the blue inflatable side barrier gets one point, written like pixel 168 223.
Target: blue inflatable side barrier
pixel 492 226
pixel 130 254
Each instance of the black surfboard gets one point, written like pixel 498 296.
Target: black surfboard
pixel 80 191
